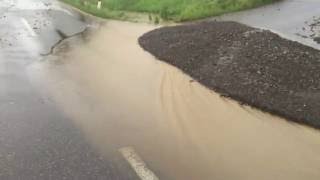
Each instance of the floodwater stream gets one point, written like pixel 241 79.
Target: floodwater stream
pixel 120 96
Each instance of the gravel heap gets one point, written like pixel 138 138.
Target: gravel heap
pixel 253 66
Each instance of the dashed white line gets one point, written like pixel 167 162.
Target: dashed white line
pixel 27 25
pixel 137 164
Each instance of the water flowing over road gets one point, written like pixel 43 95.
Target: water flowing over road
pixel 37 140
pixel 99 107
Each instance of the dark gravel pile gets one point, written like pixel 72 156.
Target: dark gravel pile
pixel 253 66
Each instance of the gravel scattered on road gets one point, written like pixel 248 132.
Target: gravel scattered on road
pixel 253 66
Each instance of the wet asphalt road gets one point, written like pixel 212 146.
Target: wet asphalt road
pixel 297 20
pixel 37 141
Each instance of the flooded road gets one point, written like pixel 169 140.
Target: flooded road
pixel 37 139
pixel 100 107
pixel 120 96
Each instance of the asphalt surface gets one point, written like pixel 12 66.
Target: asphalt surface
pixel 37 140
pixel 297 20
pixel 65 116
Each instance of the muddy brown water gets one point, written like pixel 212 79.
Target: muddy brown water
pixel 120 96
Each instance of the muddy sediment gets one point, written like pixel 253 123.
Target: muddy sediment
pixel 181 130
pixel 253 66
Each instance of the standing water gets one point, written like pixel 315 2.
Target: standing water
pixel 121 96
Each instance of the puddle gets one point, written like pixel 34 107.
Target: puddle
pixel 120 96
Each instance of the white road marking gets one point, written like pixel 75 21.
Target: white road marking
pixel 27 25
pixel 137 164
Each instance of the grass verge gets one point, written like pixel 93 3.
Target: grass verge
pixel 173 10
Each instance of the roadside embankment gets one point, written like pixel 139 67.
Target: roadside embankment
pixel 255 67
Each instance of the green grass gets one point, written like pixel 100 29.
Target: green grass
pixel 92 9
pixel 175 10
